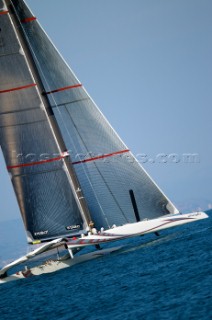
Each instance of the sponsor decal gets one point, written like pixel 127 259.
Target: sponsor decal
pixel 74 227
pixel 195 214
pixel 41 233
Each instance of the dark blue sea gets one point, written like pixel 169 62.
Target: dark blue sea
pixel 166 277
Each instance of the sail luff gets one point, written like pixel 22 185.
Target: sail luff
pixel 51 118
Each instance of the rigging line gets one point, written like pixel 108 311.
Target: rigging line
pixel 52 96
pixel 65 126
pixel 72 184
pixel 71 139
pixel 84 169
pixel 95 164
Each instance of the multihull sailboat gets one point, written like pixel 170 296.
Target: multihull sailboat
pixel 76 182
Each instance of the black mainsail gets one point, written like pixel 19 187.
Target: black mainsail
pixel 33 149
pixel 36 86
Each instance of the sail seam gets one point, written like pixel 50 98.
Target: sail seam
pixel 29 164
pixel 17 111
pixel 101 157
pixel 19 88
pixel 64 88
pixel 9 54
pixel 35 173
pixel 23 124
pixel 70 102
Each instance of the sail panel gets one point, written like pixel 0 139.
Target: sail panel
pixel 17 118
pixel 107 183
pixel 20 100
pixel 2 5
pixel 8 41
pixel 24 141
pixel 85 131
pixel 50 211
pixel 53 71
pixel 13 78
pixel 102 203
pixel 67 96
pixel 22 9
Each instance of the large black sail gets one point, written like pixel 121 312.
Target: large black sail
pixel 32 154
pixel 105 167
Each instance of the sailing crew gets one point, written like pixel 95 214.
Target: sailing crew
pixel 92 228
pixel 91 225
pixel 94 231
pixel 102 230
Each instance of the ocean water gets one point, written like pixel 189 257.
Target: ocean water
pixel 166 277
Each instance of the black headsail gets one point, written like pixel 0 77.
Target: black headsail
pixel 34 151
pixel 104 166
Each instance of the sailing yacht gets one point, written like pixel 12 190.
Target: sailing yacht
pixel 76 182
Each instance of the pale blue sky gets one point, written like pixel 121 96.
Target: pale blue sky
pixel 148 65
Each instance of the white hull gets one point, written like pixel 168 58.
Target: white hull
pixel 138 228
pixel 56 265
pixel 114 234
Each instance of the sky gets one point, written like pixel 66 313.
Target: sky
pixel 147 64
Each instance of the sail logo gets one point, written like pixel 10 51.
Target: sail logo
pixel 194 214
pixel 41 233
pixel 77 226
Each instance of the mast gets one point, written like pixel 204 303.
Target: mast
pixel 75 185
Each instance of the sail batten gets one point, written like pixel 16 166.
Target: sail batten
pixel 65 88
pixel 41 162
pixel 26 20
pixel 18 88
pixel 4 12
pixel 103 156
